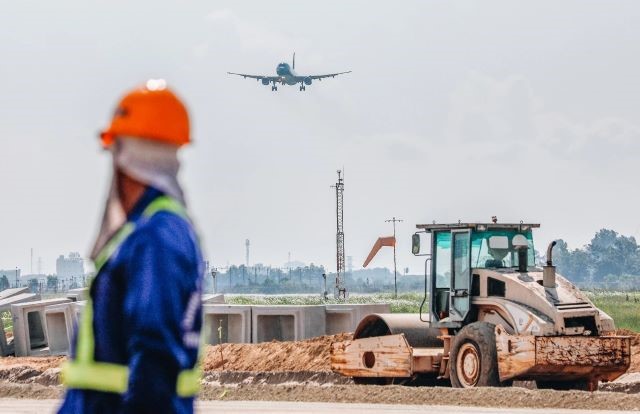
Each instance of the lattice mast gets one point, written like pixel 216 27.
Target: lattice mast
pixel 340 291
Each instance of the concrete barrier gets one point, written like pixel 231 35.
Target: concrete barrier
pixel 6 347
pixel 78 307
pixel 30 328
pixel 287 323
pixel 78 294
pixel 211 298
pixel 5 304
pixel 51 323
pixel 7 293
pixel 59 321
pixel 345 317
pixel 234 322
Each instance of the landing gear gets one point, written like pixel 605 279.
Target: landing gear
pixel 302 88
pixel 274 88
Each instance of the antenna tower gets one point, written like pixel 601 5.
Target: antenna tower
pixel 340 291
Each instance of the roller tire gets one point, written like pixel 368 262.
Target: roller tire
pixel 475 346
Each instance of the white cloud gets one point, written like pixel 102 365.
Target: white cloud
pixel 223 14
pixel 250 34
pixel 503 116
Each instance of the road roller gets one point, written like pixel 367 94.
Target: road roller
pixel 490 316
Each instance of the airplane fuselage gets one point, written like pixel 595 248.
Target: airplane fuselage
pixel 287 74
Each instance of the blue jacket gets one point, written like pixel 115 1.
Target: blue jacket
pixel 147 312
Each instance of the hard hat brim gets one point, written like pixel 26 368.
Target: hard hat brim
pixel 107 138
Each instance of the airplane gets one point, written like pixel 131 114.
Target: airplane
pixel 286 75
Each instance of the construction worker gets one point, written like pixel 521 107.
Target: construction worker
pixel 136 349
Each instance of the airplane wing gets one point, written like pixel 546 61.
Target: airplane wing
pixel 328 75
pixel 256 77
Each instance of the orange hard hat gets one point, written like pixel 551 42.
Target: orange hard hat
pixel 151 112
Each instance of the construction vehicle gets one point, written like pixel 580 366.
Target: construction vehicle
pixel 494 317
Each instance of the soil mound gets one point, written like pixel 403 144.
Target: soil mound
pixel 310 355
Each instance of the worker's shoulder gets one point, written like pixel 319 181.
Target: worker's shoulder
pixel 169 229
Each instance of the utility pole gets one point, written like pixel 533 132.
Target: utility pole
pixel 340 291
pixel 214 273
pixel 395 272
pixel 324 294
pixel 247 244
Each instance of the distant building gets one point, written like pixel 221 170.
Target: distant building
pixel 349 264
pixel 70 266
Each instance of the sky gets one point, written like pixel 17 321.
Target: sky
pixel 456 110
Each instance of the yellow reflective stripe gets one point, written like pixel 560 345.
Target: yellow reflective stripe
pixel 96 376
pixel 86 342
pixel 112 245
pixel 106 377
pixel 188 384
pixel 165 203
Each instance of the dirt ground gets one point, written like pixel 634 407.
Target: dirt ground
pixel 300 371
pixel 392 394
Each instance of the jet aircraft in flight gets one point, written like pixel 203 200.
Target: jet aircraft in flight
pixel 286 75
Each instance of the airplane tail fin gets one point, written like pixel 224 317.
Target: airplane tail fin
pixel 294 60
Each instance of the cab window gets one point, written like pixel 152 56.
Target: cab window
pixel 495 249
pixel 443 260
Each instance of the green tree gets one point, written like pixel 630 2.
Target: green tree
pixel 34 286
pixel 4 282
pixel 607 258
pixel 52 283
pixel 613 254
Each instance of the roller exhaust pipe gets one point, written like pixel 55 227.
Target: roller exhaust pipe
pixel 549 271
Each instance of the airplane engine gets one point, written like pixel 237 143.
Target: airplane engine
pixel 265 81
pixel 307 80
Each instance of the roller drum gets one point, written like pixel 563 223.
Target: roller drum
pixel 419 334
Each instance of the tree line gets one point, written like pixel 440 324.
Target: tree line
pixel 609 261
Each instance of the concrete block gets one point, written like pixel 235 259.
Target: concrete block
pixel 78 294
pixel 235 321
pixel 7 293
pixel 6 347
pixel 287 323
pixel 30 327
pixel 60 324
pixel 78 307
pixel 211 298
pixel 5 304
pixel 345 317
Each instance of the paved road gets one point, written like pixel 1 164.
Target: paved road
pixel 13 406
